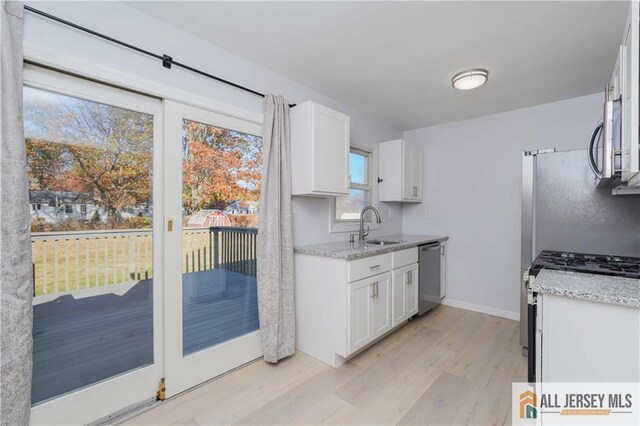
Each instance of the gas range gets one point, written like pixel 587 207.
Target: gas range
pixel 621 266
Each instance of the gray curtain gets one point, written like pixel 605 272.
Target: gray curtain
pixel 275 236
pixel 15 241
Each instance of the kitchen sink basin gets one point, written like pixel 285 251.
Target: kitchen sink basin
pixel 383 242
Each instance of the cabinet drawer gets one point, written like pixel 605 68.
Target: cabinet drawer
pixel 404 257
pixel 369 266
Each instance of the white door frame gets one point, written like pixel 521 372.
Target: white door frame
pixel 184 372
pixel 112 395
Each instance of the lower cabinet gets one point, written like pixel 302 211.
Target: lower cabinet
pixel 405 293
pixel 369 314
pixel 343 306
pixel 585 341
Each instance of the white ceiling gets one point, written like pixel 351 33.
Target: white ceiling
pixel 394 61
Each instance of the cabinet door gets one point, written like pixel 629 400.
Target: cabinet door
pixel 405 167
pixel 585 341
pixel 630 94
pixel 381 311
pixel 399 295
pixel 360 295
pixel 443 270
pixel 416 173
pixel 411 290
pixel 331 151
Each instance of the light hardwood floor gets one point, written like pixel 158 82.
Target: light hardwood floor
pixel 448 367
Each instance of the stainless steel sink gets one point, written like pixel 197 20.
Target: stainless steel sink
pixel 383 242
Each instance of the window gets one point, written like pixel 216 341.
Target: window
pixel 347 209
pixel 83 209
pixel 37 207
pixel 68 209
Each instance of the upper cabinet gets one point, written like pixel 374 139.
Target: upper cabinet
pixel 630 81
pixel 319 150
pixel 400 173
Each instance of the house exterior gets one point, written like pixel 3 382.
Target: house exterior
pixel 242 207
pixel 54 206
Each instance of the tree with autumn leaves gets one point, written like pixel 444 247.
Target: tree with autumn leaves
pixel 82 146
pixel 219 166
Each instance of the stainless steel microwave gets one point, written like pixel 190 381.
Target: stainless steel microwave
pixel 605 144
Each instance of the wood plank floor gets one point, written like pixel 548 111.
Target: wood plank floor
pixel 451 366
pixel 78 342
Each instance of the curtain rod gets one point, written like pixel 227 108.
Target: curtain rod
pixel 167 61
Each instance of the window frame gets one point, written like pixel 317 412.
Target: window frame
pixel 350 225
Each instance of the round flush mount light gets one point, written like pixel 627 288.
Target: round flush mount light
pixel 471 79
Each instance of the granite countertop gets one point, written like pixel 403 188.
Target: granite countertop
pixel 592 287
pixel 347 250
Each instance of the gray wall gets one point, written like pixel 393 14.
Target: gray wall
pixel 472 181
pixel 311 217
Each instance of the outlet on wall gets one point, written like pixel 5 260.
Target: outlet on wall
pixel 427 213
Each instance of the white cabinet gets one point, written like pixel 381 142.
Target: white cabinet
pixel 583 341
pixel 369 315
pixel 359 316
pixel 319 150
pixel 443 270
pixel 400 169
pixel 405 293
pixel 630 78
pixel 381 304
pixel 343 306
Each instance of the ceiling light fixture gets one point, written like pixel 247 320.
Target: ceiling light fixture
pixel 471 79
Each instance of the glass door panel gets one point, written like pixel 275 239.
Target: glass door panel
pixel 214 192
pixel 90 164
pixel 221 172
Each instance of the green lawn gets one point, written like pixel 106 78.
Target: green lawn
pixel 86 262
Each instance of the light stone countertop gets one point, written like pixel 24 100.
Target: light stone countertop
pixel 592 287
pixel 349 251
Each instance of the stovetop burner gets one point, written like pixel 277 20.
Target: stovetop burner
pixel 589 263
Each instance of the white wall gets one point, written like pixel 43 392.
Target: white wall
pixel 44 37
pixel 472 181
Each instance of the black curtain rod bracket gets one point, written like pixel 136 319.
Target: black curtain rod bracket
pixel 167 61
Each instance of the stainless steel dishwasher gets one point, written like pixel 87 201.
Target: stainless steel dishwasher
pixel 430 277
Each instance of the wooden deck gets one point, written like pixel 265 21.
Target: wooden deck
pixel 78 342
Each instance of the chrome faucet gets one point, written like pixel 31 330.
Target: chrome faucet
pixel 362 234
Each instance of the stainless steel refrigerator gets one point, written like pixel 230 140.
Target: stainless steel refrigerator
pixel 563 211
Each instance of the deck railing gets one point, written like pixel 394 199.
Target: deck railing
pixel 75 260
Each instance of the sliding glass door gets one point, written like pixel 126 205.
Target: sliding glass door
pixel 144 219
pixel 93 156
pixel 213 170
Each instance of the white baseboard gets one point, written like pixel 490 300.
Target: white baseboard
pixel 482 309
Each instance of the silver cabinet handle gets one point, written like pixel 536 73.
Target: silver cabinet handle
pixel 377 290
pixel 373 290
pixel 374 266
pixel 409 278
